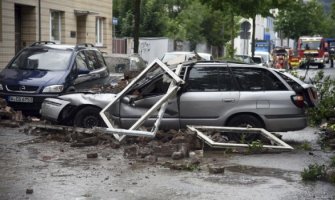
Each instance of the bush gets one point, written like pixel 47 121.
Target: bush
pixel 314 172
pixel 325 109
pixel 255 146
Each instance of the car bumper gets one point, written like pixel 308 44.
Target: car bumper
pixel 285 123
pixel 294 63
pixel 25 102
pixel 315 60
pixel 52 108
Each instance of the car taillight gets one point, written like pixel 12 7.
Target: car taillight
pixel 298 100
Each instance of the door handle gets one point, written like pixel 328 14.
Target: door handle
pixel 229 100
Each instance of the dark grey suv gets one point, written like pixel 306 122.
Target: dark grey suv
pixel 214 93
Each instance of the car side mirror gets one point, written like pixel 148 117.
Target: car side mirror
pixel 129 99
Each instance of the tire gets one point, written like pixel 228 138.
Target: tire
pixel 88 117
pixel 321 66
pixel 245 120
pixel 331 63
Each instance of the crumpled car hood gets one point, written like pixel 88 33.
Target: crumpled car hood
pixel 100 99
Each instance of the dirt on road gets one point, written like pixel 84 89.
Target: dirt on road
pixel 37 166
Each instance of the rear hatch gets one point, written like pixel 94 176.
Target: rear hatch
pixel 308 91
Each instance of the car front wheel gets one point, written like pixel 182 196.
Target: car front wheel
pixel 88 117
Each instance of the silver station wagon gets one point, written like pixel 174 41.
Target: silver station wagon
pixel 214 94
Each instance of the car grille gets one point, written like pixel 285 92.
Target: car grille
pixel 22 88
pixel 311 55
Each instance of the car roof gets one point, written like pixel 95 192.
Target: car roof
pixel 179 52
pixel 52 45
pixel 228 64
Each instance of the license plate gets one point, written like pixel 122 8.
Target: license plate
pixel 20 99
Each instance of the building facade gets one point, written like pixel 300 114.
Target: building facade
pixel 23 22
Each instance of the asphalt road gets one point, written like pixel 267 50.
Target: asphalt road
pixel 54 170
pixel 313 70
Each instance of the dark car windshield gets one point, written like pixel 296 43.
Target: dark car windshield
pixel 42 59
pixel 257 60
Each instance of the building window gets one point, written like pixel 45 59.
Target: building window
pixel 99 34
pixel 55 26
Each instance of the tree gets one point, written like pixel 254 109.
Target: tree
pixel 229 11
pixel 189 22
pixel 328 23
pixel 301 18
pixel 153 18
pixel 247 9
pixel 137 8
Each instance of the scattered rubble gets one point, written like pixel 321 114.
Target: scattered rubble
pixel 214 169
pixel 92 155
pixel 327 134
pixel 29 191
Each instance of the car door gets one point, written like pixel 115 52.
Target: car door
pixel 261 92
pixel 135 103
pixel 208 94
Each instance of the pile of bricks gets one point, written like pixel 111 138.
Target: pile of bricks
pixel 9 117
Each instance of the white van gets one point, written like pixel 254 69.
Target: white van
pixel 266 57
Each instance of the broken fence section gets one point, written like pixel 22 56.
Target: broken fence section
pixel 120 134
pixel 277 143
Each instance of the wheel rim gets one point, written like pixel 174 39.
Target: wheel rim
pixel 90 121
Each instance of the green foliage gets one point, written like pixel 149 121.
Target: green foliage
pixel 190 22
pixel 305 146
pixel 325 109
pixel 230 51
pixel 332 161
pixel 314 172
pixel 255 146
pixel 292 20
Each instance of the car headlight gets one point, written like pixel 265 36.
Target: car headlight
pixel 53 89
pixel 1 88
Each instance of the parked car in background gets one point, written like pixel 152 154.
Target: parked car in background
pixel 176 57
pixel 244 58
pixel 214 93
pixel 258 60
pixel 124 66
pixel 266 57
pixel 46 69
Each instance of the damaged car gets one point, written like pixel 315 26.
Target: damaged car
pixel 214 94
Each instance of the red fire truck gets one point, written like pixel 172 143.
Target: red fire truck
pixel 311 48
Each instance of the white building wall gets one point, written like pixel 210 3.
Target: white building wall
pixel 152 48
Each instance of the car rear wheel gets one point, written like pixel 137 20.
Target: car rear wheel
pixel 246 120
pixel 88 117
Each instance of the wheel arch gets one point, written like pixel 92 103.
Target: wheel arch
pixel 70 111
pixel 244 113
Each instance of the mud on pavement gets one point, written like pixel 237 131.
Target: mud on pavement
pixel 44 165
